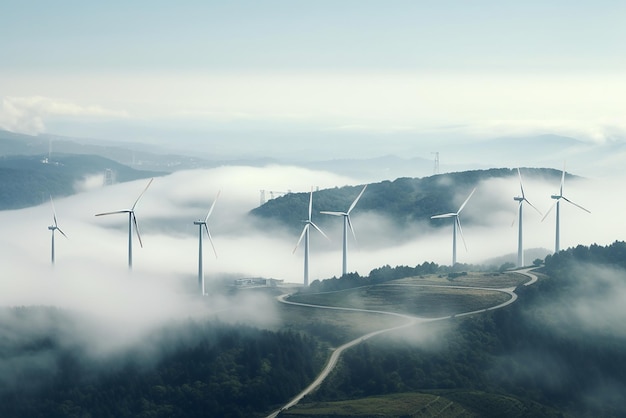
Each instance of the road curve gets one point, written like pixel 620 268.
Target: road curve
pixel 411 320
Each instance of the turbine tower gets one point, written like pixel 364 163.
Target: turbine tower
pixel 346 224
pixel 557 198
pixel 132 220
pixel 455 225
pixel 521 199
pixel 206 228
pixel 54 227
pixel 305 234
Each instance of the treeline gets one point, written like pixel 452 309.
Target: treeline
pixel 530 350
pixel 387 273
pixel 194 369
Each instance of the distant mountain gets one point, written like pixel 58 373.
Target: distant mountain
pixel 139 156
pixel 29 180
pixel 405 199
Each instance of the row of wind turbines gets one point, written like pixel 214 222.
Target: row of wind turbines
pixel 456 224
pixel 521 199
pixel 133 226
pixel 347 226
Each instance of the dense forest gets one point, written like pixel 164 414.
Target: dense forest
pixel 190 369
pixel 30 180
pixel 405 200
pixel 537 349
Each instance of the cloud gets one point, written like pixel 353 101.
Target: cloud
pixel 91 274
pixel 28 114
pixel 592 304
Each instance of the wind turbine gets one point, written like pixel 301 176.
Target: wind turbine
pixel 557 198
pixel 54 227
pixel 206 228
pixel 521 199
pixel 305 234
pixel 456 225
pixel 346 224
pixel 132 220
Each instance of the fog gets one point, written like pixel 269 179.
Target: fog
pixel 98 245
pixel 91 274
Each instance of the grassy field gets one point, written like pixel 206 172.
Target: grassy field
pixel 472 279
pixel 410 296
pixel 443 404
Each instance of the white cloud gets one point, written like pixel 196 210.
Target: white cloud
pixel 28 114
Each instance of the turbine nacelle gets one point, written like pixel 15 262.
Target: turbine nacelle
pixel 132 222
pixel 200 224
pixel 456 225
pixel 347 224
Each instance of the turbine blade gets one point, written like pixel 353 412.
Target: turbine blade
pixel 445 215
pixel 310 204
pixel 575 204
pixel 301 236
pixel 54 212
pixel 112 213
pixel 532 206
pixel 62 233
pixel 325 212
pixel 357 199
pixel 466 200
pixel 521 186
pixel 562 180
pixel 549 210
pixel 458 223
pixel 350 226
pixel 137 229
pixel 516 213
pixel 141 195
pixel 321 232
pixel 210 239
pixel 212 206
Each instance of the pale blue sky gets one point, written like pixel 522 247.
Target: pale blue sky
pixel 147 70
pixel 455 36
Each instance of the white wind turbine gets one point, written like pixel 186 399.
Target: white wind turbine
pixel 54 227
pixel 557 198
pixel 455 225
pixel 132 220
pixel 346 224
pixel 305 234
pixel 200 234
pixel 521 199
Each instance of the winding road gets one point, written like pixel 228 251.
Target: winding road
pixel 411 320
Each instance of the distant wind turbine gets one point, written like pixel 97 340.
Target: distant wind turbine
pixel 132 220
pixel 200 233
pixel 521 199
pixel 455 225
pixel 305 234
pixel 54 227
pixel 557 198
pixel 346 224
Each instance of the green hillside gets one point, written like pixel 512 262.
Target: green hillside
pixel 30 180
pixel 405 199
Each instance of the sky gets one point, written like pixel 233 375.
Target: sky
pixel 309 80
pixel 297 80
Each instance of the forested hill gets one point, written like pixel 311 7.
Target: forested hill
pixel 404 199
pixel 30 180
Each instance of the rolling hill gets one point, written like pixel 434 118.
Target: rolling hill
pixel 30 180
pixel 405 199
